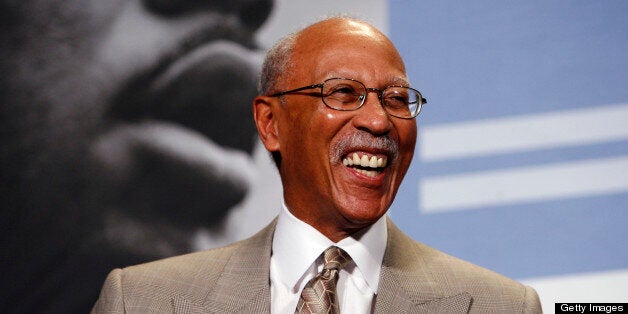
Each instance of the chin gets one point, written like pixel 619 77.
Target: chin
pixel 363 214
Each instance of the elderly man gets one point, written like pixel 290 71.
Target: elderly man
pixel 337 114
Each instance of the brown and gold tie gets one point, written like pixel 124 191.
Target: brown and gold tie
pixel 319 294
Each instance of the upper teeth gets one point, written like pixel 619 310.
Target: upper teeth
pixel 364 161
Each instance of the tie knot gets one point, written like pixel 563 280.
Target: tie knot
pixel 335 258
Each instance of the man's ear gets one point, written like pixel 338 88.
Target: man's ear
pixel 266 121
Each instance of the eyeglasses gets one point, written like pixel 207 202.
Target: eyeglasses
pixel 348 94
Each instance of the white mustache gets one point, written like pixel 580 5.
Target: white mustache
pixel 365 140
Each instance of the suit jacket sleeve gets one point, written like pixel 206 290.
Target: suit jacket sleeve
pixel 111 300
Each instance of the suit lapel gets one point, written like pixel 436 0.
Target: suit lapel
pixel 406 287
pixel 243 285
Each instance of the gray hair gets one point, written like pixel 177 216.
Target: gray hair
pixel 277 62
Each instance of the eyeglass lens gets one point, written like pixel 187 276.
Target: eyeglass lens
pixel 344 94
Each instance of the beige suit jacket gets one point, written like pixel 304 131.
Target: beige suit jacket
pixel 235 279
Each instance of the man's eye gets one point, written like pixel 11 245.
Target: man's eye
pixel 396 101
pixel 343 90
pixel 343 94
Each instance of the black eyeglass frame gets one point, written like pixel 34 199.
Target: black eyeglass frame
pixel 380 93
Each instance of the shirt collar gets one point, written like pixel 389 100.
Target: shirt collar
pixel 296 246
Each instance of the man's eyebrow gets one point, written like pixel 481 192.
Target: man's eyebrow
pixel 398 81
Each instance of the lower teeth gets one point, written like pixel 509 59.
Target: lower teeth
pixel 370 173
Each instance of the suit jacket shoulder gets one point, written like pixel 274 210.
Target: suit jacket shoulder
pixel 417 278
pixel 209 281
pixel 414 279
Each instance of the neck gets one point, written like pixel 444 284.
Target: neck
pixel 331 229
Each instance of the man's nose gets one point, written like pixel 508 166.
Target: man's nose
pixel 372 117
pixel 253 13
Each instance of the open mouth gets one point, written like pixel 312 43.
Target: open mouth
pixel 370 165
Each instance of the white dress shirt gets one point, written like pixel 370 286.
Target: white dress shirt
pixel 296 258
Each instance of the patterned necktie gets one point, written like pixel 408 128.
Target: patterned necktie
pixel 319 294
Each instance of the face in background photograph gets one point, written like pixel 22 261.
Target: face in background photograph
pixel 125 127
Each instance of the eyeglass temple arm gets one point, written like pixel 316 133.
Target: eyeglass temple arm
pixel 297 90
